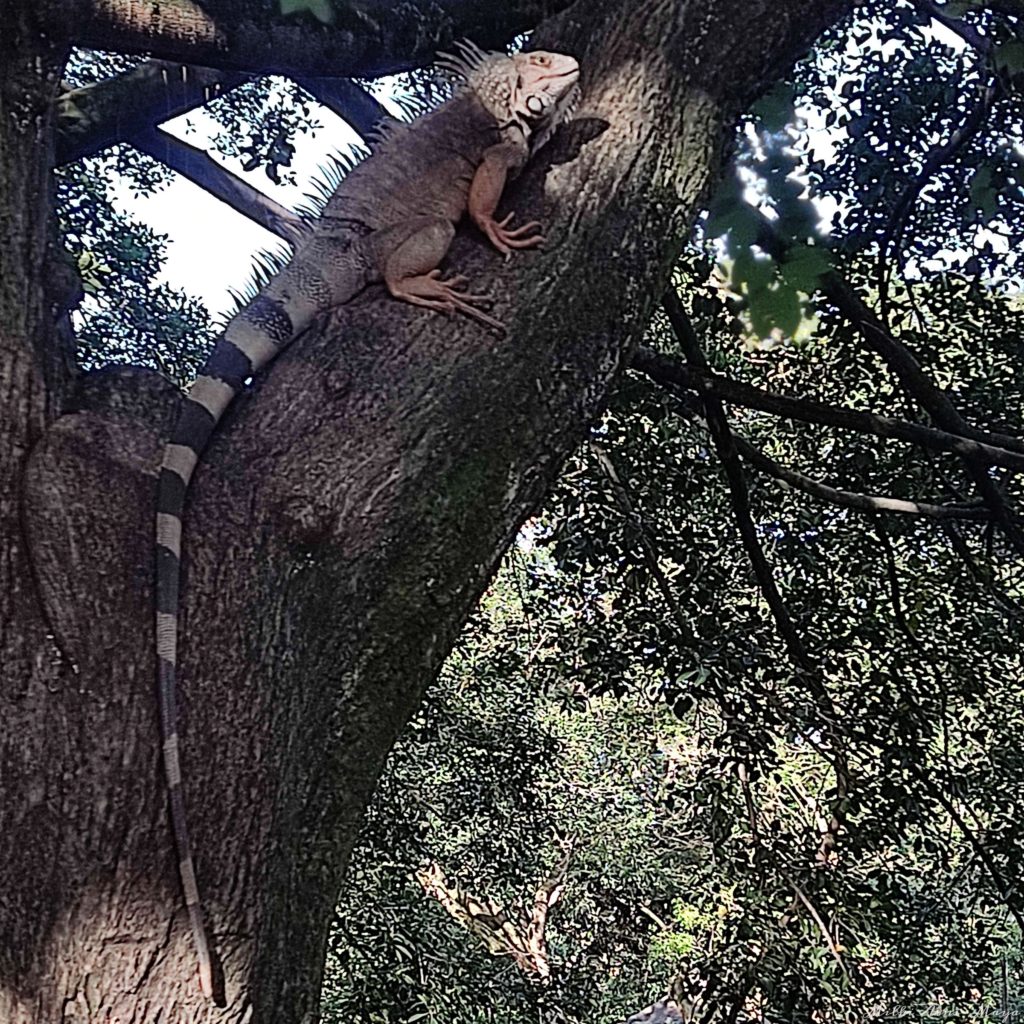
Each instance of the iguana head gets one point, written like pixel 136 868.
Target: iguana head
pixel 545 87
pixel 533 90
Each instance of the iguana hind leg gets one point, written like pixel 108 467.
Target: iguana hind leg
pixel 410 272
pixel 434 292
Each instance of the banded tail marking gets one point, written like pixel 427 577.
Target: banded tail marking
pixel 251 340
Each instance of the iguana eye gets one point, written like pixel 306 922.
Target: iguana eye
pixel 540 58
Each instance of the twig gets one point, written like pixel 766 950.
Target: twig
pixel 855 499
pixel 894 584
pixel 822 927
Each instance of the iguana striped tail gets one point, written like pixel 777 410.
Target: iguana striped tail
pixel 252 339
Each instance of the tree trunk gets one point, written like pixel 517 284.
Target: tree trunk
pixel 340 529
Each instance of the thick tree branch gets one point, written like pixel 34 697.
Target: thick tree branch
pixel 36 371
pixel 199 167
pixel 128 106
pixel 665 369
pixel 519 936
pixel 96 116
pixel 341 527
pixel 367 39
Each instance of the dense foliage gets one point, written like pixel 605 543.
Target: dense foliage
pixel 830 835
pixel 776 723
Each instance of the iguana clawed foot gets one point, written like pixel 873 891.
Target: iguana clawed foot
pixel 432 291
pixel 505 239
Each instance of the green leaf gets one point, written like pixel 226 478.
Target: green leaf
pixel 804 266
pixel 736 219
pixel 750 273
pixel 1009 56
pixel 322 10
pixel 775 108
pixel 91 271
pixel 984 195
pixel 778 307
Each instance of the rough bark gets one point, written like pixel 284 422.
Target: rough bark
pixel 96 116
pixel 365 39
pixel 340 529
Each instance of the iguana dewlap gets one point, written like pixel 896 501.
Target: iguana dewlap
pixel 391 220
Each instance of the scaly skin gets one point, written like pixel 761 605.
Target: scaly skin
pixel 391 220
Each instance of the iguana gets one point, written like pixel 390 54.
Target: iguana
pixel 390 220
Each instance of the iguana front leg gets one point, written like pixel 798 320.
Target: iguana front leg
pixel 485 193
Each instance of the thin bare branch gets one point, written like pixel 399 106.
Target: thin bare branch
pixel 855 499
pixel 833 946
pixel 665 369
pixel 738 491
pixel 1005 890
pixel 625 503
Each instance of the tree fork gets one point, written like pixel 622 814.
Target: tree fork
pixel 340 530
